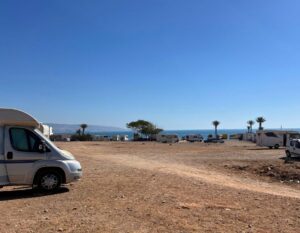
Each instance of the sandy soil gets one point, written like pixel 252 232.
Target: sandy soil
pixel 152 187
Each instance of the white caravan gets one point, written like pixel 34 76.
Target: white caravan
pixel 27 157
pixel 274 138
pixel 167 138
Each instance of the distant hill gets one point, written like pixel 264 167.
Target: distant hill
pixel 72 128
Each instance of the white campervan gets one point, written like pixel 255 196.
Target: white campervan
pixel 293 148
pixel 274 138
pixel 27 157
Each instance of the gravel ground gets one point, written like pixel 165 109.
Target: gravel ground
pixel 152 187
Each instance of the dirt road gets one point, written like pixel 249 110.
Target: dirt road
pixel 152 187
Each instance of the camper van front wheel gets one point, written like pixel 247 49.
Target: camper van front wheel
pixel 49 180
pixel 276 146
pixel 288 154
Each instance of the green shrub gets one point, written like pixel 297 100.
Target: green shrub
pixel 85 137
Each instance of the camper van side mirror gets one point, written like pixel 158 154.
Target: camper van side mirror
pixel 42 147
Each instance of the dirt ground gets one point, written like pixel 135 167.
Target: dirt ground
pixel 151 187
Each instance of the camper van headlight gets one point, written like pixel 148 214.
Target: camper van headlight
pixel 75 167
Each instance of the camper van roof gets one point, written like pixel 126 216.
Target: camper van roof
pixel 17 118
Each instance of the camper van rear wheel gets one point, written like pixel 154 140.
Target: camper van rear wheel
pixel 49 181
pixel 276 146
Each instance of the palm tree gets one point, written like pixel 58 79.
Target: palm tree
pixel 216 124
pixel 251 123
pixel 260 121
pixel 83 127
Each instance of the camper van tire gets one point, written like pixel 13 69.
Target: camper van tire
pixel 276 146
pixel 49 179
pixel 288 154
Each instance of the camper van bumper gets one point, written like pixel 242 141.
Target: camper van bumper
pixel 75 171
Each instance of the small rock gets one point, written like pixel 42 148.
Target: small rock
pixel 184 207
pixel 60 229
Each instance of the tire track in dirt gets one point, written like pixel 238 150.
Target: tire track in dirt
pixel 201 173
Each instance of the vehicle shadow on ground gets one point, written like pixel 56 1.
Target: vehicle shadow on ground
pixel 27 193
pixel 264 149
pixel 291 160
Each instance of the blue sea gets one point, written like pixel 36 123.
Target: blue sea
pixel 180 133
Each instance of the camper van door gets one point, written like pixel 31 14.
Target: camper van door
pixel 21 152
pixel 3 173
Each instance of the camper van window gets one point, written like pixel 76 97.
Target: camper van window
pixel 24 140
pixel 271 134
pixel 297 144
pixel 291 143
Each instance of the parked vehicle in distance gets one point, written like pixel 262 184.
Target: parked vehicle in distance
pixel 194 138
pixel 167 138
pixel 101 138
pixel 275 138
pixel 293 148
pixel 27 157
pixel 115 138
pixel 213 140
pixel 124 138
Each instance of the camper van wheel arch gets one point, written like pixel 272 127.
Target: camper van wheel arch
pixel 276 146
pixel 49 179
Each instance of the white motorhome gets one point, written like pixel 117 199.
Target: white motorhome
pixel 274 138
pixel 167 138
pixel 46 130
pixel 27 157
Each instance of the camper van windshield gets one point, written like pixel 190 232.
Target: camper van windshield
pixel 271 134
pixel 45 138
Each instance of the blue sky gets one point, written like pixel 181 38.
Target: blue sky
pixel 180 64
